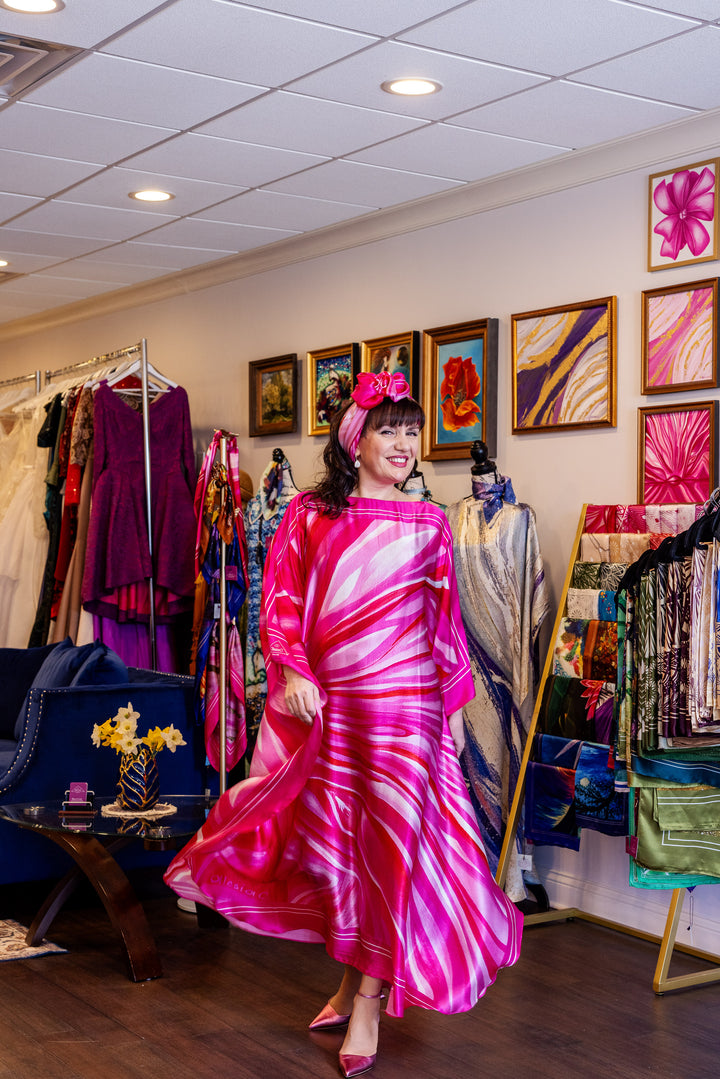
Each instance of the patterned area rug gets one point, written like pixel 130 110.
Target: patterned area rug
pixel 13 946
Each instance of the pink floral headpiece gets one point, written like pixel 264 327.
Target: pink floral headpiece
pixel 370 391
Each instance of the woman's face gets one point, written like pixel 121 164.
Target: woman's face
pixel 387 456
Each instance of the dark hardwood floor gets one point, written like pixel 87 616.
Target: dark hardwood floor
pixel 578 1005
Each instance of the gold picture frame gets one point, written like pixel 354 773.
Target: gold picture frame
pixel 396 353
pixel 677 457
pixel 679 337
pixel 273 395
pixel 330 377
pixel 459 389
pixel 683 215
pixel 563 367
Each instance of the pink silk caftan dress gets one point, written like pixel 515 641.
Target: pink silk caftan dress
pixel 358 831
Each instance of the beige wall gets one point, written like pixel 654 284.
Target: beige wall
pixel 583 241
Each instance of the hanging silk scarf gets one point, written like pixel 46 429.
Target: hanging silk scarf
pixel 577 708
pixel 218 510
pixel 597 804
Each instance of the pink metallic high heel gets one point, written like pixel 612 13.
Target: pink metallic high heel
pixel 328 1018
pixel 352 1064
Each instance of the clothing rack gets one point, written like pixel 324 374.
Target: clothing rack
pixel 661 982
pixel 222 641
pixel 107 358
pixel 222 633
pixel 34 377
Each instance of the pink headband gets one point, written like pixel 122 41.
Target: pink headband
pixel 370 391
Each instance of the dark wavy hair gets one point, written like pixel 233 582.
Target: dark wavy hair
pixel 330 495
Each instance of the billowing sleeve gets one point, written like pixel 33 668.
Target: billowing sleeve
pixel 283 597
pixel 445 624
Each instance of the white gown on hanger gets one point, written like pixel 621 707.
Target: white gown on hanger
pixel 23 534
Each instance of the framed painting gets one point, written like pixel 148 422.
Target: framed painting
pixel 679 337
pixel 396 353
pixel 677 460
pixel 460 389
pixel 273 395
pixel 683 215
pixel 330 376
pixel 563 367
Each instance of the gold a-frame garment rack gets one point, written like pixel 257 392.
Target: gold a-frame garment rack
pixel 662 982
pixel 139 349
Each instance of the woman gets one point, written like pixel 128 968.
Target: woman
pixel 355 827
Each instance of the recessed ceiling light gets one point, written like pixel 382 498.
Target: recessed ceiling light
pixel 411 87
pixel 34 7
pixel 4 262
pixel 151 195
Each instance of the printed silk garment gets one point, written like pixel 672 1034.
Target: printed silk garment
pixel 504 601
pixel 358 831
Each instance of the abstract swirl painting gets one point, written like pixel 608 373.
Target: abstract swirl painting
pixel 677 460
pixel 679 337
pixel 564 367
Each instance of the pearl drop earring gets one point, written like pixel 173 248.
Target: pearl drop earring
pixel 357 462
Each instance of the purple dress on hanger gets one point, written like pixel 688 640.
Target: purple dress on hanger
pixel 118 563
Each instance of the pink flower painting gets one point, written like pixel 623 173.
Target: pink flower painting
pixel 678 458
pixel 683 212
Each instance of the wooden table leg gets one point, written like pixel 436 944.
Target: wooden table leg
pixel 59 896
pixel 118 898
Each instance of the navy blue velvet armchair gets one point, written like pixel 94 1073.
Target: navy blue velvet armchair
pixel 51 747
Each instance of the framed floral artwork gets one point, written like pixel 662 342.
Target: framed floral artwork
pixel 396 353
pixel 459 389
pixel 677 460
pixel 563 362
pixel 330 376
pixel 683 215
pixel 273 395
pixel 679 337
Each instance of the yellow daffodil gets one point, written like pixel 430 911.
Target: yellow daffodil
pixel 120 733
pixel 173 738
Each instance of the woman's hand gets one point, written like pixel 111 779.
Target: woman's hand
pixel 302 696
pixel 457 730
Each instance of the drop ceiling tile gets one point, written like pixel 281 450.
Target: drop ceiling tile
pixel 201 157
pixel 685 71
pixel 96 222
pixel 698 9
pixel 372 16
pixel 194 232
pixel 38 243
pixel 273 210
pixel 31 174
pixel 155 256
pixel 466 83
pixel 55 289
pixel 141 93
pixel 225 39
pixel 546 35
pixel 574 115
pixel 315 125
pixel 10 205
pixel 112 187
pixel 81 23
pixel 108 274
pixel 442 149
pixel 37 129
pixel 21 262
pixel 364 185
